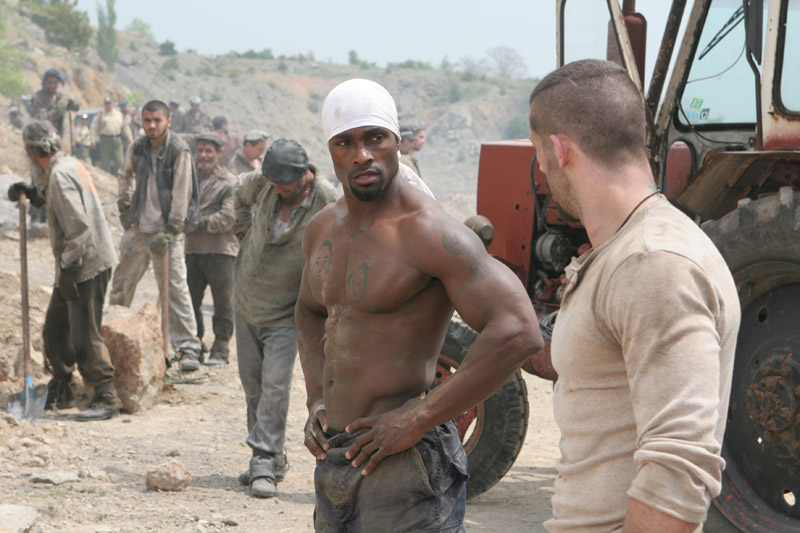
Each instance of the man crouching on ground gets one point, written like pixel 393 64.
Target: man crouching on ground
pixel 385 266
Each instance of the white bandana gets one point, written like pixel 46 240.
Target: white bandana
pixel 357 103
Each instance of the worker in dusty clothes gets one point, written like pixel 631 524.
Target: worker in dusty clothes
pixel 111 135
pixel 282 196
pixel 157 198
pixel 176 115
pixel 84 253
pixel 194 120
pixel 412 139
pixel 83 139
pixel 231 141
pixel 251 155
pixel 211 247
pixel 49 103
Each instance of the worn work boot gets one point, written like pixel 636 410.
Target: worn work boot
pixel 263 481
pixel 59 394
pixel 281 466
pixel 218 355
pixel 105 404
pixel 188 362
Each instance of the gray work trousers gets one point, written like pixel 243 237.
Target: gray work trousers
pixel 266 360
pixel 216 271
pixel 111 153
pixel 135 256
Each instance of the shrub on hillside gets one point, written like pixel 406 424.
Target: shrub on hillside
pixel 517 128
pixel 167 48
pixel 63 23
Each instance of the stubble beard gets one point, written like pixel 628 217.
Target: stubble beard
pixel 369 195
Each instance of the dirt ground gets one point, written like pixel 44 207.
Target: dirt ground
pixel 203 427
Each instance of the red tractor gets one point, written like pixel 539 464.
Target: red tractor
pixel 724 144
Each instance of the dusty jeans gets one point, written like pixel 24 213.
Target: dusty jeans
pixel 215 270
pixel 266 359
pixel 71 333
pixel 423 489
pixel 135 256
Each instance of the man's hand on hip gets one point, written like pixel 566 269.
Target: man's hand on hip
pixel 391 432
pixel 316 426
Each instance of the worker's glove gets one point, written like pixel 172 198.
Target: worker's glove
pixel 200 223
pixel 73 105
pixel 160 242
pixel 124 214
pixel 31 192
pixel 68 281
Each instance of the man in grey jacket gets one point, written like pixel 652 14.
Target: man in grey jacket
pixel 157 198
pixel 211 247
pixel 283 197
pixel 84 254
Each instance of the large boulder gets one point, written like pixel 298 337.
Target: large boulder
pixel 134 342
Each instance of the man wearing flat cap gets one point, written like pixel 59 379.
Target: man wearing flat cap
pixel 282 196
pixel 176 115
pixel 251 155
pixel 50 103
pixel 211 247
pixel 231 141
pixel 111 136
pixel 194 120
pixel 412 138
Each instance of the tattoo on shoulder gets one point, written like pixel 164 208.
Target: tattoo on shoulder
pixel 457 243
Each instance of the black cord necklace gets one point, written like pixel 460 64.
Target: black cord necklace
pixel 637 206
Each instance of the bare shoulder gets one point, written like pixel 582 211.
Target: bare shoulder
pixel 321 222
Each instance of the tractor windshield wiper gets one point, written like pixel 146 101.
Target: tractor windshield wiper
pixel 735 20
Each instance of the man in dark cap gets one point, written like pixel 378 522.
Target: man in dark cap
pixel 194 120
pixel 211 247
pixel 231 141
pixel 15 118
pixel 111 135
pixel 176 115
pixel 252 153
pixel 412 139
pixel 49 103
pixel 282 196
pixel 125 109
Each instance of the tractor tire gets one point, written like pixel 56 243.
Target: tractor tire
pixel 493 431
pixel 760 241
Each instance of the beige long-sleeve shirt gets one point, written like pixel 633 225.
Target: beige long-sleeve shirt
pixel 644 346
pixel 217 203
pixel 110 124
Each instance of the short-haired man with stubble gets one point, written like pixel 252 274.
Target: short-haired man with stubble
pixel 645 338
pixel 251 155
pixel 84 253
pixel 158 197
pixel 211 247
pixel 50 103
pixel 409 143
pixel 385 268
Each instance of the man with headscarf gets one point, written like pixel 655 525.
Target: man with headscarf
pixel 49 103
pixel 84 253
pixel 281 197
pixel 385 266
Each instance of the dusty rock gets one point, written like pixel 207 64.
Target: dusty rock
pixel 134 342
pixel 99 475
pixel 15 518
pixel 172 476
pixel 55 477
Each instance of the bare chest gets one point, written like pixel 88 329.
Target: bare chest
pixel 367 272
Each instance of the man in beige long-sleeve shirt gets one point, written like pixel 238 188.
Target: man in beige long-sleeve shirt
pixel 111 135
pixel 157 199
pixel 645 338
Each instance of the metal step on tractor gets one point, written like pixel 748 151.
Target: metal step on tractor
pixel 723 106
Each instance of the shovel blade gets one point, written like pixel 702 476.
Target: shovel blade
pixel 28 404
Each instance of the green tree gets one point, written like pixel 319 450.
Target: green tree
pixel 353 58
pixel 63 24
pixel 142 28
pixel 12 84
pixel 167 48
pixel 107 34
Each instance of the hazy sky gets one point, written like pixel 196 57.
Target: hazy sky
pixel 380 32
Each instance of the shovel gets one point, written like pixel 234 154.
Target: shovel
pixel 29 403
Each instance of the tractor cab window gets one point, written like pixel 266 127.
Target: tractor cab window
pixel 790 69
pixel 586 32
pixel 720 88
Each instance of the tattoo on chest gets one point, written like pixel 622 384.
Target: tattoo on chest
pixel 457 244
pixel 322 266
pixel 357 283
